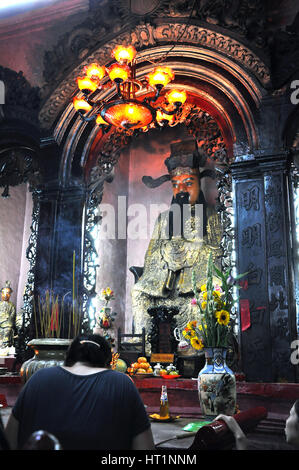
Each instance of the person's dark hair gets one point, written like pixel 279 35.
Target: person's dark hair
pixel 296 408
pixel 92 349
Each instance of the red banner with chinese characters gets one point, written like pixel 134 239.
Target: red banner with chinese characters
pixel 245 314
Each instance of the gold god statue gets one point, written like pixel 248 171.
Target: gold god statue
pixel 7 319
pixel 181 242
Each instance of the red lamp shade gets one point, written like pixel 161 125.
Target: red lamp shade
pixel 128 114
pixel 160 76
pixel 176 96
pixel 119 73
pixel 124 54
pixel 86 85
pixel 94 71
pixel 81 105
pixel 100 121
pixel 165 117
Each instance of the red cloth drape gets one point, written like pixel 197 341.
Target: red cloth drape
pixel 245 314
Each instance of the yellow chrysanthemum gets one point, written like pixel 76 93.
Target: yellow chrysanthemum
pixel 197 343
pixel 186 334
pixel 223 317
pixel 216 293
pixel 203 305
pixel 205 295
pixel 203 288
pixel 192 324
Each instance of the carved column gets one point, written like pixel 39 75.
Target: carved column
pixel 263 242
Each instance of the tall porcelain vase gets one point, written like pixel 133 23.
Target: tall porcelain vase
pixel 216 385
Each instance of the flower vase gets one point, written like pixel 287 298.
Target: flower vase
pixel 102 320
pixel 216 385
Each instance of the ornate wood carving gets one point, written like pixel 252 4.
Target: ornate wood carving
pixel 22 101
pixel 163 31
pixel 163 324
pixel 18 165
pixel 263 251
pixel 26 331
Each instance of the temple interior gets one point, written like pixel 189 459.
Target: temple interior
pixel 86 184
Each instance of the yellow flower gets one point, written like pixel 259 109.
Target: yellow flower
pixel 216 294
pixel 186 334
pixel 197 343
pixel 192 324
pixel 203 288
pixel 205 295
pixel 201 328
pixel 222 317
pixel 108 290
pixel 203 305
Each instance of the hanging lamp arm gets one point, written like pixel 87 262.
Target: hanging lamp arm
pixel 170 113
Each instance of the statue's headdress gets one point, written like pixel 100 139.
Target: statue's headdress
pixel 7 286
pixel 185 158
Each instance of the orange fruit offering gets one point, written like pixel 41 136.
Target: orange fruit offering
pixel 142 359
pixel 140 367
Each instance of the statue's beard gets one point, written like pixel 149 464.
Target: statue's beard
pixel 181 211
pixel 178 215
pixel 181 199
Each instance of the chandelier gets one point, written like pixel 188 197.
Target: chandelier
pixel 139 105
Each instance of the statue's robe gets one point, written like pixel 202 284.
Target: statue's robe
pixel 169 264
pixel 7 323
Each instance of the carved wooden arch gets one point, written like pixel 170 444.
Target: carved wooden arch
pixel 20 159
pixel 165 31
pixel 193 66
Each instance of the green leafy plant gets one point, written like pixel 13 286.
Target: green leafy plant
pixel 214 325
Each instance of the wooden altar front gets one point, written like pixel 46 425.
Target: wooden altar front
pixel 277 398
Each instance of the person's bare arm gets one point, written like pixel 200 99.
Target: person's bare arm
pixel 144 441
pixel 11 432
pixel 241 439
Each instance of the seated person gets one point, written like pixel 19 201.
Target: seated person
pixel 291 428
pixel 84 403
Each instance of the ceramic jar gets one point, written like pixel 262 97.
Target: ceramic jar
pixel 48 352
pixel 216 385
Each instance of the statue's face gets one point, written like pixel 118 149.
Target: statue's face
pixel 186 184
pixel 5 294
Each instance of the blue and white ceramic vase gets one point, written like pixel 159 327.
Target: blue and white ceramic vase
pixel 216 385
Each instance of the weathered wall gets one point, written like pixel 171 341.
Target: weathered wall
pixel 15 216
pixel 112 253
pixel 24 38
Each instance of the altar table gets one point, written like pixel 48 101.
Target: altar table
pixel 277 398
